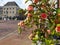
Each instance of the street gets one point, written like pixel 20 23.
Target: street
pixel 7 27
pixel 9 35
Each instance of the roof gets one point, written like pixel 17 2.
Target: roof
pixel 11 4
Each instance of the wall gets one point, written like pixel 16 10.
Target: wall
pixel 10 10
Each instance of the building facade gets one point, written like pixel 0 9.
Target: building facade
pixel 10 9
pixel 1 11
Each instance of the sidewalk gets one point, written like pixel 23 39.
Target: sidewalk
pixel 14 39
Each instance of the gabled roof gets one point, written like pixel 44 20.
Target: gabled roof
pixel 11 4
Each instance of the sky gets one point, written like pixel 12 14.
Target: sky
pixel 21 3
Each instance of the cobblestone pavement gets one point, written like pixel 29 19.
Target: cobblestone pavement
pixel 9 35
pixel 14 39
pixel 7 27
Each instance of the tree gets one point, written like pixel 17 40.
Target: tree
pixel 21 13
pixel 44 16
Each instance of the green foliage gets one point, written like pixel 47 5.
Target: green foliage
pixel 26 1
pixel 21 11
pixel 43 17
pixel 58 10
pixel 19 30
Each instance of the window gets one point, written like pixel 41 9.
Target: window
pixel 7 8
pixel 13 8
pixel 4 12
pixel 4 8
pixel 13 11
pixel 10 8
pixel 10 11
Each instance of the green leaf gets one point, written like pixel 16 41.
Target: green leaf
pixel 58 24
pixel 19 30
pixel 26 13
pixel 58 10
pixel 26 1
pixel 52 27
pixel 47 42
pixel 43 0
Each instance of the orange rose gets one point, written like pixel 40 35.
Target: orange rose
pixel 59 14
pixel 49 32
pixel 21 23
pixel 58 29
pixel 30 8
pixel 29 15
pixel 35 1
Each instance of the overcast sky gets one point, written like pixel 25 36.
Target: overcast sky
pixel 21 3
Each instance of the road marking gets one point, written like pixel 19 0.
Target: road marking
pixel 7 35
